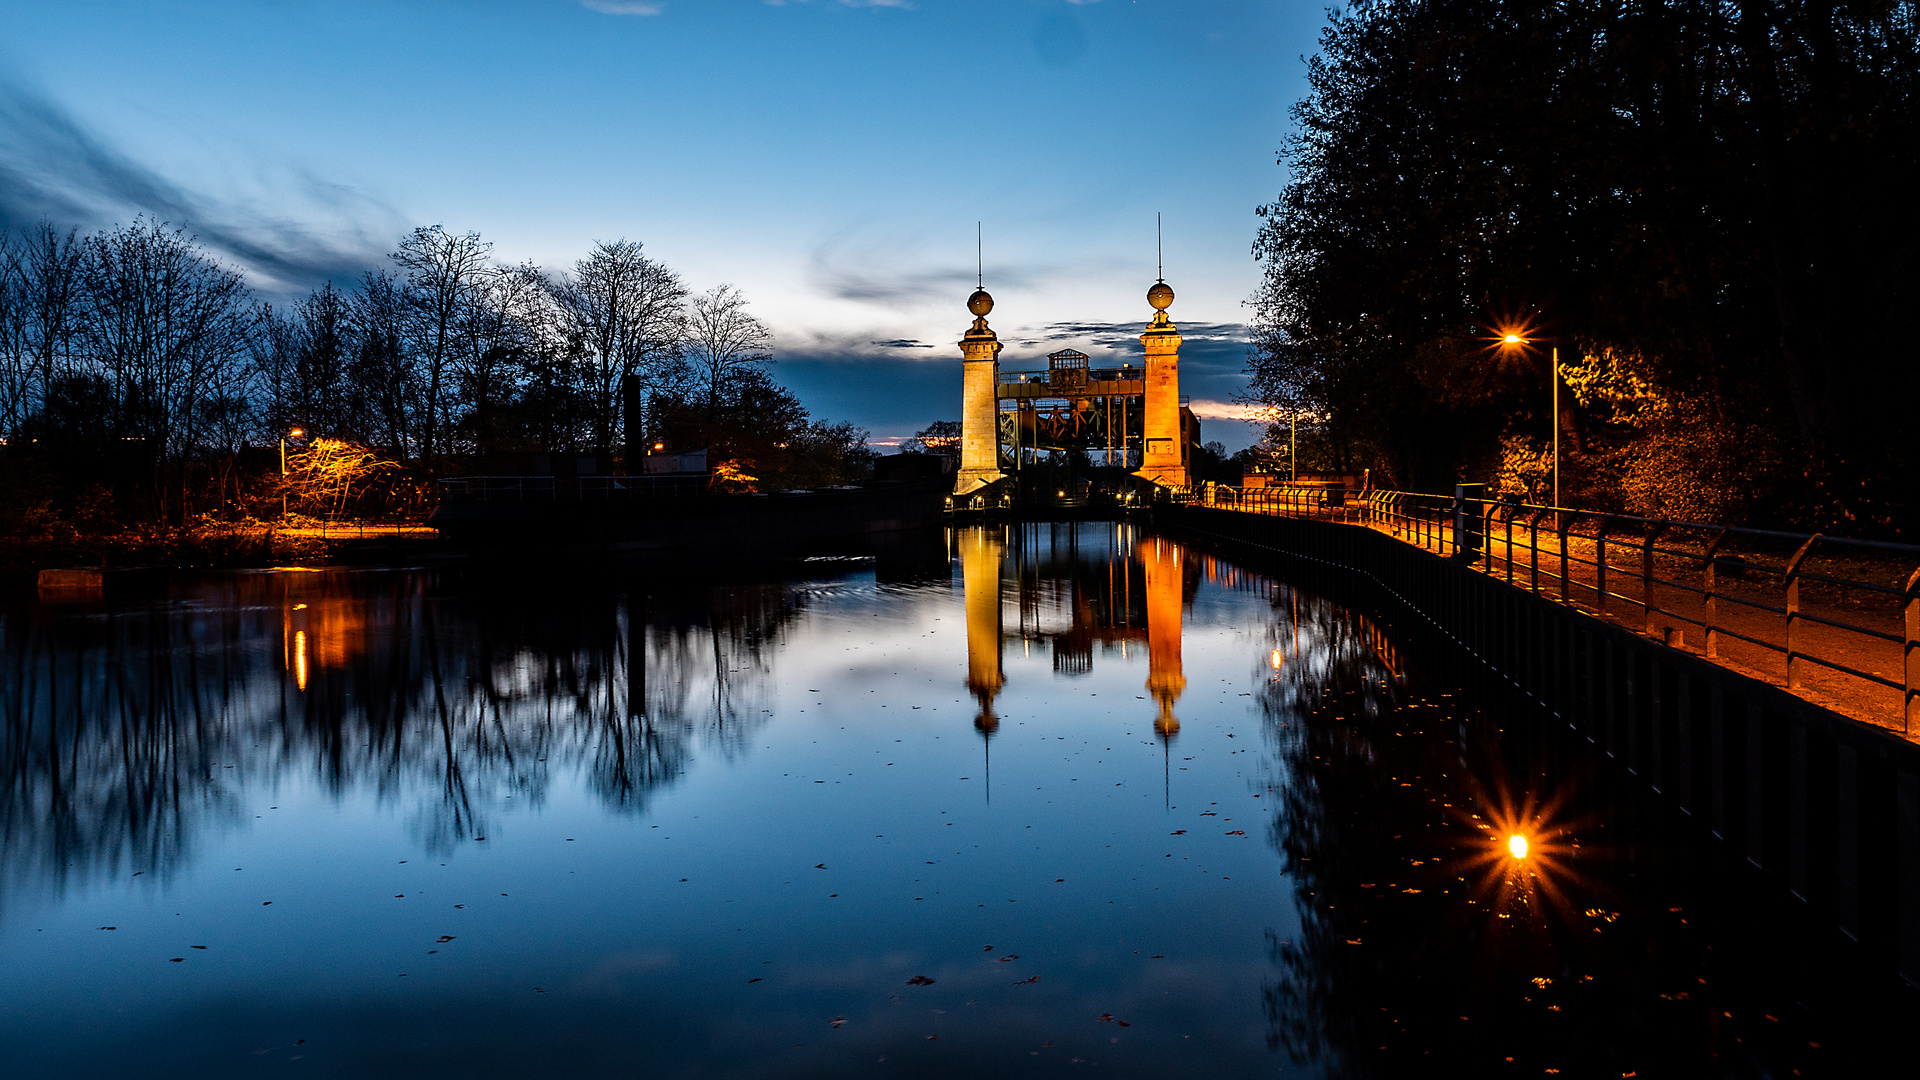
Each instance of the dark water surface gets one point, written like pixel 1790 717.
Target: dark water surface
pixel 1056 799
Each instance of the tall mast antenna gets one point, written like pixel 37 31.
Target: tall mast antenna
pixel 1159 250
pixel 980 254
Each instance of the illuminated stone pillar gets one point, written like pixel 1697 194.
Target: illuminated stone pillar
pixel 979 401
pixel 1163 458
pixel 980 558
pixel 1163 563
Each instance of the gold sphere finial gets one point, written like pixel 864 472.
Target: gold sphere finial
pixel 980 303
pixel 1160 296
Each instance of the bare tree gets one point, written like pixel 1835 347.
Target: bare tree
pixel 173 329
pixel 323 348
pixel 723 342
pixel 386 389
pixel 16 372
pixel 40 316
pixel 631 312
pixel 511 325
pixel 444 274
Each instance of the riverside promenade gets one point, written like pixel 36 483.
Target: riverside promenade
pixel 1831 620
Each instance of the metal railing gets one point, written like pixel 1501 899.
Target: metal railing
pixel 1831 618
pixel 466 489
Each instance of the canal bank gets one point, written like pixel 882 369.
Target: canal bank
pixel 1827 807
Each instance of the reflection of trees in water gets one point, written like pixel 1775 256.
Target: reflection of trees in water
pixel 1320 652
pixel 126 729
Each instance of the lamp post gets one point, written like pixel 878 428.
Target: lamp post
pixel 1553 390
pixel 295 433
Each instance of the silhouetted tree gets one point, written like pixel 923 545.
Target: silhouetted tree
pixel 724 344
pixel 629 313
pixel 1705 203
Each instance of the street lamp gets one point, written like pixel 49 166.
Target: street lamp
pixel 1553 389
pixel 293 433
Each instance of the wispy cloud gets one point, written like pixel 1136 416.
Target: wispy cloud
pixel 901 343
pixel 623 7
pixel 54 168
pixel 1228 410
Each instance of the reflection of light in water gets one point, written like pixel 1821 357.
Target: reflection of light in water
pixel 300 658
pixel 1527 866
pixel 1274 659
pixel 299 607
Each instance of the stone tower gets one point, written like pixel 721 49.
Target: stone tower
pixel 1163 459
pixel 979 401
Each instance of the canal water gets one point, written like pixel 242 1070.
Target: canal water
pixel 1032 800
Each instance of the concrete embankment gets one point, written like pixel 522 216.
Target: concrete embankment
pixel 1826 805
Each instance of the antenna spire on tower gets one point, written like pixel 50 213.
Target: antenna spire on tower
pixel 980 254
pixel 1159 250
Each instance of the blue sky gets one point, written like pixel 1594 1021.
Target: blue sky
pixel 828 157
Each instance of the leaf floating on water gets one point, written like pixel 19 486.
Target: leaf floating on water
pixel 919 980
pixel 444 938
pixel 200 947
pixel 1009 956
pixel 930 1038
pixel 1178 832
pixel 1236 832
pixel 819 866
pixel 837 1021
pixel 177 959
pixel 752 981
pixel 1024 982
pixel 988 948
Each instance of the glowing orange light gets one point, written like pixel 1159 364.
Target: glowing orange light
pixel 296 433
pixel 659 446
pixel 1517 846
pixel 300 658
pixel 1512 339
pixel 1274 659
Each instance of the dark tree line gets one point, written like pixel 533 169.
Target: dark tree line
pixel 137 371
pixel 1706 204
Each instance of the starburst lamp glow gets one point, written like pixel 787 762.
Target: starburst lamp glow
pixel 1517 846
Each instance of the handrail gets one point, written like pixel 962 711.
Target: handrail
pixel 1726 601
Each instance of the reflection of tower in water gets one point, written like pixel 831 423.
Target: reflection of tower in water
pixel 1164 565
pixel 980 556
pixel 1073 597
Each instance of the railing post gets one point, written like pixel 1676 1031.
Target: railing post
pixel 1533 551
pixel 1646 570
pixel 1600 564
pixel 1468 536
pixel 1710 580
pixel 1512 509
pixel 1563 521
pixel 1793 611
pixel 1911 714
